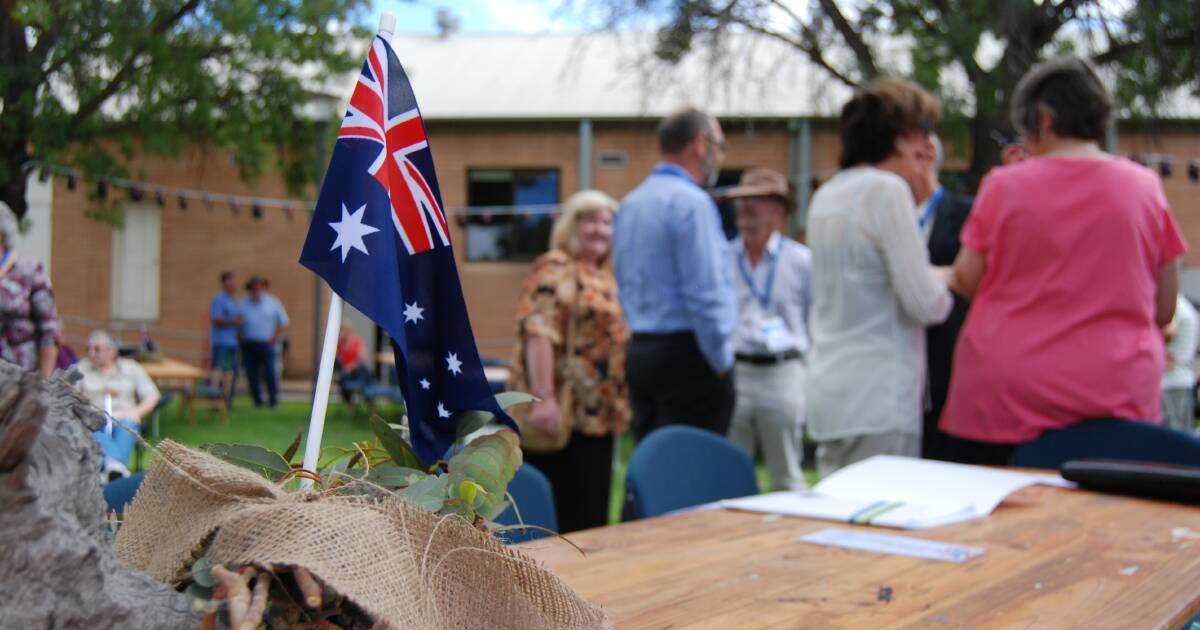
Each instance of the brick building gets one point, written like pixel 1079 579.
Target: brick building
pixel 517 123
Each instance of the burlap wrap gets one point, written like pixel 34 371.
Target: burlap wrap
pixel 406 567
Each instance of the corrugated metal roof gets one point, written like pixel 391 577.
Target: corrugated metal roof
pixel 614 75
pixel 609 75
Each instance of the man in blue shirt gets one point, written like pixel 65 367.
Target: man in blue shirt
pixel 263 321
pixel 675 284
pixel 225 317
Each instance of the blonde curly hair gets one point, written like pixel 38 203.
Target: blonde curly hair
pixel 563 236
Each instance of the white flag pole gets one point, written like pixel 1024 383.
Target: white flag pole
pixel 316 423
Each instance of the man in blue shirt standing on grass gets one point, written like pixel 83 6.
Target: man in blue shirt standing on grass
pixel 675 284
pixel 226 318
pixel 263 321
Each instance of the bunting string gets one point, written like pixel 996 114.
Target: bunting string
pixel 163 195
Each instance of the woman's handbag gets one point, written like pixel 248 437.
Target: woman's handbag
pixel 535 439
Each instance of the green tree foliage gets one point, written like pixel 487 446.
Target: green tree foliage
pixel 89 82
pixel 1151 45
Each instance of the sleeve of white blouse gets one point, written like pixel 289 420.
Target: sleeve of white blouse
pixel 922 295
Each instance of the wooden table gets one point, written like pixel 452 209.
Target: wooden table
pixel 1055 558
pixel 168 370
pixel 173 375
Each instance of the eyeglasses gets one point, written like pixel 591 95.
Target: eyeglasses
pixel 719 144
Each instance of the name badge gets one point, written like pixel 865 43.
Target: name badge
pixel 775 334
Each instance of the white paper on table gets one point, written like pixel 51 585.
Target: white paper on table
pixel 864 540
pixel 901 492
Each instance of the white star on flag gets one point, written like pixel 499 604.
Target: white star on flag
pixel 453 364
pixel 442 413
pixel 412 313
pixel 350 232
pixel 424 383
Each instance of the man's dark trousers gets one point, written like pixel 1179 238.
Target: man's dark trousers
pixel 670 382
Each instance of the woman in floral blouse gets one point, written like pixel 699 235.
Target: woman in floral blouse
pixel 569 302
pixel 28 320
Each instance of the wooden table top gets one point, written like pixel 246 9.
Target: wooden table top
pixel 1056 558
pixel 168 369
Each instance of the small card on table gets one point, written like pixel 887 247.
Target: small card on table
pixel 896 545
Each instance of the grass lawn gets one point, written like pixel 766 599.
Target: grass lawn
pixel 276 428
pixel 272 428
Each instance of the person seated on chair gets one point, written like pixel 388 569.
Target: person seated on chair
pixel 352 370
pixel 129 391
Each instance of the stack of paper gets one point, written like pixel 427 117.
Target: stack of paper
pixel 899 492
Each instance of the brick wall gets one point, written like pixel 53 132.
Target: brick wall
pixel 197 244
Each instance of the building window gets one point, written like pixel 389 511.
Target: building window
pixel 135 266
pixel 507 217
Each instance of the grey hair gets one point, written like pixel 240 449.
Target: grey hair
pixel 9 227
pixel 101 337
pixel 678 130
pixel 1071 91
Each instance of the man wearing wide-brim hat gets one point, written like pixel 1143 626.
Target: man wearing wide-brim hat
pixel 773 281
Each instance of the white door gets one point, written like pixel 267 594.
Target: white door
pixel 136 248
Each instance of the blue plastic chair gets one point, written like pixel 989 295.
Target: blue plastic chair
pixel 1109 439
pixel 679 466
pixel 389 390
pixel 119 492
pixel 535 498
pixel 350 383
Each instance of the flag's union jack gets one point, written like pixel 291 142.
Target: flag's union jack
pixel 381 172
pixel 382 115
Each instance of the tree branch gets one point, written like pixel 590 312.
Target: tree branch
pixel 1119 51
pixel 813 52
pixel 853 39
pixel 47 39
pixel 89 107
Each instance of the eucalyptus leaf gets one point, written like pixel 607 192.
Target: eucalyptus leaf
pixel 202 573
pixel 490 461
pixel 334 471
pixel 429 493
pixel 402 454
pixel 392 477
pixel 196 591
pixel 470 422
pixel 293 447
pixel 261 460
pixel 469 491
pixel 508 399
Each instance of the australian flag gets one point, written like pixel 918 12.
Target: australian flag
pixel 379 238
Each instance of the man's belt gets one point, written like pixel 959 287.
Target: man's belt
pixel 768 359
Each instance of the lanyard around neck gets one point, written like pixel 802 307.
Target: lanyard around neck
pixel 929 207
pixel 764 298
pixel 674 171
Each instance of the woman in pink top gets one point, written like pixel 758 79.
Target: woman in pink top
pixel 1070 258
